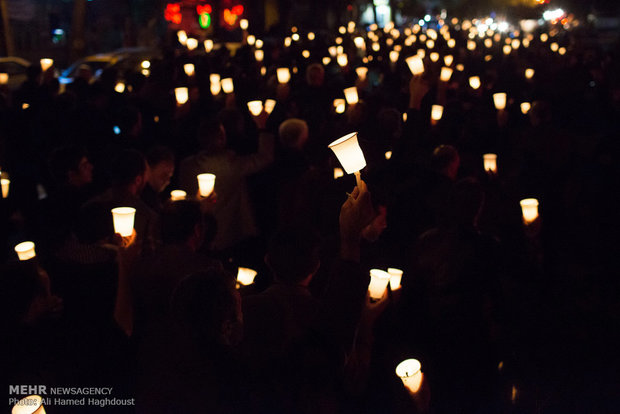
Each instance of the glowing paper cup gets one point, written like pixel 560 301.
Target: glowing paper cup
pixel 120 87
pixel 446 74
pixel 490 163
pixel 499 99
pixel 351 96
pixel 246 276
pixel 529 73
pixel 436 114
pixel 244 24
pixel 189 69
pixel 474 82
pixel 338 173
pixel 361 72
pixel 448 59
pixel 269 105
pixel 529 209
pixel 379 280
pixel 176 195
pixel 340 105
pixel 259 55
pixel 123 218
pixel 191 43
pixel 283 74
pixel 525 107
pixel 206 183
pixel 5 187
pixel 255 107
pixel 416 66
pixel 25 250
pixel 4 78
pixel 208 44
pixel 388 155
pixel 32 404
pixel 349 153
pixel 410 372
pixel 227 85
pixel 396 276
pixel 182 95
pixel 46 63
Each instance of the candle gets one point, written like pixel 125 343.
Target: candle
pixel 46 63
pixel 338 173
pixel 562 51
pixel 451 43
pixel 499 99
pixel 269 105
pixel 208 45
pixel 246 276
pixel 490 163
pixel 5 187
pixel 189 69
pixel 123 218
pixel 396 276
pixel 554 47
pixel 436 114
pixel 206 183
pixel 4 78
pixel 544 37
pixel 410 372
pixel 529 209
pixel 488 43
pixel 460 67
pixel 404 116
pixel 529 73
pixel 388 155
pixel 515 43
pixel 191 43
pixel 283 74
pixel 339 104
pixel 359 42
pixel 32 404
pixel 311 36
pixel 120 87
pixel 333 51
pixel 259 43
pixel 507 49
pixel 182 36
pixel 349 153
pixel 434 56
pixel 305 54
pixel 181 94
pixel 430 44
pixel 342 60
pixel 525 107
pixel 446 74
pixel 227 85
pixel 244 24
pixel 25 250
pixel 176 195
pixel 394 56
pixel 351 96
pixel 326 60
pixel 251 40
pixel 287 41
pixel 474 82
pixel 255 107
pixel 471 45
pixel 361 72
pixel 216 87
pixel 448 59
pixel 416 66
pixel 379 280
pixel 259 55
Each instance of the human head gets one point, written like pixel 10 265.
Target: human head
pixel 161 167
pixel 182 222
pixel 446 161
pixel 315 75
pixel 293 254
pixel 212 135
pixel 466 201
pixel 293 133
pixel 129 171
pixel 70 166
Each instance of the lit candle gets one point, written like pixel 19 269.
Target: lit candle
pixel 525 107
pixel 191 43
pixel 471 45
pixel 305 54
pixel 379 280
pixel 255 107
pixel 119 87
pixel 361 72
pixel 342 60
pixel 529 209
pixel 410 372
pixel 359 42
pixel 351 96
pixel 529 73
pixel 182 36
pixel 451 43
pixel 490 163
pixel 4 78
pixel 499 99
pixel 46 63
pixel 246 276
pixel 326 60
pixel 434 56
pixel 176 195
pixel 283 74
pixel 448 59
pixel 430 44
pixel 32 404
pixel 339 104
pixel 396 276
pixel 25 250
pixel 123 218
pixel 554 47
pixel 206 184
pixel 507 49
pixel 259 55
pixel 515 43
pixel 244 24
pixel 311 36
pixel 488 43
pixel 404 116
pixel 394 56
pixel 544 37
pixel 388 155
pixel 436 114
pixel 349 154
pixel 251 40
pixel 474 82
pixel 227 85
pixel 460 67
pixel 562 51
pixel 181 94
pixel 416 66
pixel 338 173
pixel 208 45
pixel 287 41
pixel 189 69
pixel 214 78
pixel 446 74
pixel 269 105
pixel 5 187
pixel 259 43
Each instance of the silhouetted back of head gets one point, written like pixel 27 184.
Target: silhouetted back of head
pixel 446 161
pixel 211 134
pixel 179 220
pixel 293 133
pixel 465 202
pixel 293 253
pixel 127 165
pixel 65 159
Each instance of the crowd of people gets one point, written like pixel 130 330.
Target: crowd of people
pixel 504 316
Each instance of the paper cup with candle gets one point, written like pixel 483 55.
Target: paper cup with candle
pixel 379 280
pixel 525 107
pixel 119 87
pixel 361 72
pixel 283 74
pixel 182 95
pixel 448 59
pixel 123 218
pixel 416 66
pixel 340 105
pixel 227 85
pixel 410 372
pixel 255 107
pixel 246 276
pixel 349 154
pixel 529 73
pixel 176 195
pixel 351 96
pixel 46 63
pixel 25 250
pixel 206 184
pixel 499 99
pixel 4 78
pixel 189 69
pixel 529 209
pixel 434 56
pixel 191 43
pixel 259 55
pixel 208 44
pixel 5 187
pixel 490 163
pixel 396 276
pixel 244 24
pixel 446 74
pixel 474 82
pixel 338 173
pixel 436 114
pixel 269 105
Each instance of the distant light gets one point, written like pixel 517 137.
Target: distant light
pixel 427 17
pixel 502 27
pixel 117 130
pixel 145 64
pixel 421 22
pixel 59 32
